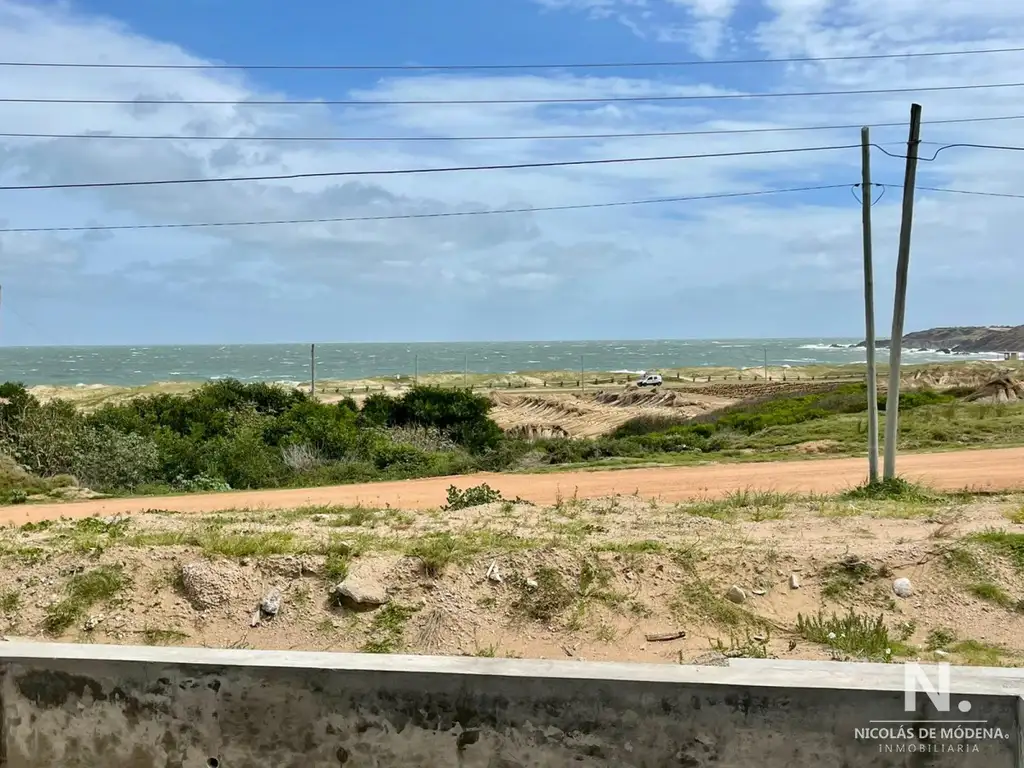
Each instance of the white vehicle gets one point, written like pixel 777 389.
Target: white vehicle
pixel 649 380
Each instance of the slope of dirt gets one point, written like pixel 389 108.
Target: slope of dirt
pixel 590 414
pixel 989 469
pixel 587 580
pixel 1005 389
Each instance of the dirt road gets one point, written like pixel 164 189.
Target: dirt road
pixel 1001 469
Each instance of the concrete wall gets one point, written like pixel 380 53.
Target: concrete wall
pixel 120 707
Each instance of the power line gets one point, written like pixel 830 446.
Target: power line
pixel 968 192
pixel 408 171
pixel 571 65
pixel 980 193
pixel 492 212
pixel 440 215
pixel 456 102
pixel 534 137
pixel 959 145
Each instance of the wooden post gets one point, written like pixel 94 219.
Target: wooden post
pixel 892 406
pixel 312 370
pixel 869 305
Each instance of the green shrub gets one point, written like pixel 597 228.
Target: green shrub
pixel 228 434
pixel 475 496
pixel 106 459
pixel 46 437
pixel 457 413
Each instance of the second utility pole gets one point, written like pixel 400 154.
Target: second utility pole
pixel 869 305
pixel 892 401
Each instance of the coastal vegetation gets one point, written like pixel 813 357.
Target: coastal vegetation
pixel 233 435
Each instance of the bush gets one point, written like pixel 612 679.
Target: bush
pixel 46 437
pixel 228 434
pixel 106 459
pixel 476 496
pixel 200 483
pixel 244 460
pixel 459 414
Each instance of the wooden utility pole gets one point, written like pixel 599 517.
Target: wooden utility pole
pixel 312 370
pixel 892 404
pixel 869 304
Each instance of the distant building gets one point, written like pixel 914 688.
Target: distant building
pixel 1011 355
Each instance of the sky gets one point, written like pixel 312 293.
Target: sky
pixel 771 265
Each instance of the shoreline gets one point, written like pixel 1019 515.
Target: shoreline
pixel 951 373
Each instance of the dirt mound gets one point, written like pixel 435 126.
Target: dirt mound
pixel 642 397
pixel 589 414
pixel 537 431
pixel 1005 389
pixel 947 376
pixel 556 406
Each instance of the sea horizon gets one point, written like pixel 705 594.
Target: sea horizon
pixel 137 365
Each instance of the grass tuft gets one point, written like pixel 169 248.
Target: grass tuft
pixel 83 591
pixel 387 631
pixel 545 601
pixel 1009 545
pixel 893 489
pixel 854 634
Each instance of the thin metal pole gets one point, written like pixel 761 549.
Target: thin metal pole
pixel 892 403
pixel 869 305
pixel 312 370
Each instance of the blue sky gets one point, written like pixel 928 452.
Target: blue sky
pixel 777 265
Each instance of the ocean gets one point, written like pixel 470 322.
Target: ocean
pixel 133 366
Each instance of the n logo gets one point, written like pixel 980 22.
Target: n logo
pixel 915 679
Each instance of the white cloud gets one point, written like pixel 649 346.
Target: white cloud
pixel 574 272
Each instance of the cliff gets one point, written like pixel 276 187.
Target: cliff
pixel 969 338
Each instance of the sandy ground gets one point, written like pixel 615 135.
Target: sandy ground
pixel 582 579
pixel 590 414
pixel 981 469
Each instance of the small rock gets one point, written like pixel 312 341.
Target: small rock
pixel 271 604
pixel 941 653
pixel 492 572
pixel 531 583
pixel 758 592
pixel 736 594
pixel 902 587
pixel 794 581
pixel 360 594
pixel 91 623
pixel 255 620
pixel 760 638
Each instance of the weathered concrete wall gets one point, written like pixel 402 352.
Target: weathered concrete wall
pixel 117 707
